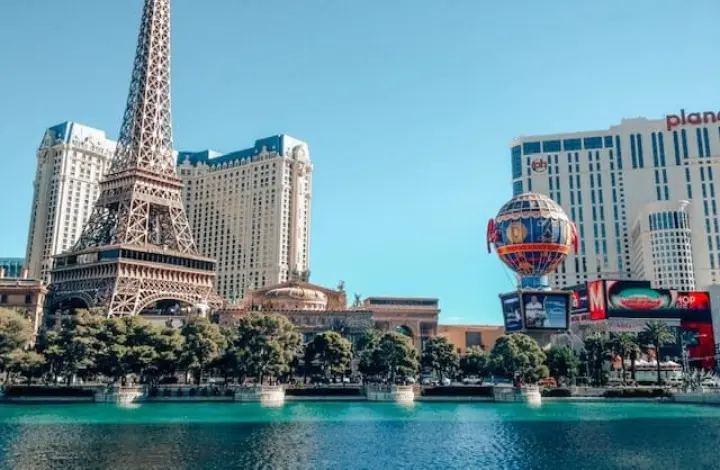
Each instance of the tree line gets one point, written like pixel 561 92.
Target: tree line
pixel 261 348
pixel 268 348
pixel 517 355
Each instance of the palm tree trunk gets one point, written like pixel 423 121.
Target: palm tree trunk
pixel 657 360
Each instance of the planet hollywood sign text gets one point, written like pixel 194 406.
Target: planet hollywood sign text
pixel 693 119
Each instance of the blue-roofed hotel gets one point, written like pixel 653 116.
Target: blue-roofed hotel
pixel 250 210
pixel 71 159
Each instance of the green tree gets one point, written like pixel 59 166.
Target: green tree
pixel 111 358
pixel 518 354
pixel 393 356
pixel 562 362
pixel 203 344
pixel 28 364
pixel 78 344
pixel 658 334
pixel 48 344
pixel 474 362
pixel 127 346
pixel 141 352
pixel 331 352
pixel 15 333
pixel 368 340
pixel 230 361
pixel 625 345
pixel 440 356
pixel 270 343
pixel 169 345
pixel 597 350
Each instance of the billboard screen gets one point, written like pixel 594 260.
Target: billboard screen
pixel 699 339
pixel 579 304
pixel 512 312
pixel 546 310
pixel 630 300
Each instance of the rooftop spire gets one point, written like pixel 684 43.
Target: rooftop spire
pixel 145 140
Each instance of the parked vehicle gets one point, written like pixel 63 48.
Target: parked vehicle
pixel 548 382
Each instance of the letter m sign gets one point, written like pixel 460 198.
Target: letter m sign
pixel 596 300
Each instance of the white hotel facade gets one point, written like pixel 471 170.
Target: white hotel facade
pixel 643 195
pixel 250 209
pixel 71 159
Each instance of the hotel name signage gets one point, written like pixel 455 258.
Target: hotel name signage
pixel 693 119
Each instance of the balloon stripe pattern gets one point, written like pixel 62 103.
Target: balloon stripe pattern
pixel 532 234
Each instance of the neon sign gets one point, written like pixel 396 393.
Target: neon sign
pixel 694 119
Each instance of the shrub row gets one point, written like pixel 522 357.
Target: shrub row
pixel 637 393
pixel 556 392
pixel 49 392
pixel 451 391
pixel 324 392
pixel 193 392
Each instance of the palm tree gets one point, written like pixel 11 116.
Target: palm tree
pixel 625 344
pixel 596 350
pixel 658 333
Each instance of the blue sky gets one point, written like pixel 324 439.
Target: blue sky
pixel 408 106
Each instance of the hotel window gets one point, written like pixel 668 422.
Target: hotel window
pixel 473 338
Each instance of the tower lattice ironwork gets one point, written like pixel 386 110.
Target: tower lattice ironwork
pixel 137 247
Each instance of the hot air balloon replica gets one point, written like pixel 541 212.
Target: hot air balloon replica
pixel 533 235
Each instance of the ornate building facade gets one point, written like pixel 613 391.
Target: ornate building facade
pixel 24 295
pixel 310 307
pixel 314 309
pixel 416 317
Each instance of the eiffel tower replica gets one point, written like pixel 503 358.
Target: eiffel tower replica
pixel 137 248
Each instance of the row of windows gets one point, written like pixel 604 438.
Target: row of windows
pixel 668 220
pixel 588 143
pixel 680 147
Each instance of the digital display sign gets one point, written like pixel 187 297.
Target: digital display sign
pixel 579 302
pixel 512 311
pixel 633 299
pixel 546 310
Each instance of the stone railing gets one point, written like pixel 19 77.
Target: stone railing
pixel 265 394
pixel 121 395
pixel 526 394
pixel 396 393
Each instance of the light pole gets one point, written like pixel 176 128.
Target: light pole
pixel 685 358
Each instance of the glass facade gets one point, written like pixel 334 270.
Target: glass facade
pixel 13 267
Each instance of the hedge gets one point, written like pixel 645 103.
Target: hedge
pixel 556 392
pixel 49 392
pixel 451 391
pixel 637 393
pixel 324 392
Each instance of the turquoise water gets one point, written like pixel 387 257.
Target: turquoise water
pixel 360 436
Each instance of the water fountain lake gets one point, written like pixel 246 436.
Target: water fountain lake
pixel 576 435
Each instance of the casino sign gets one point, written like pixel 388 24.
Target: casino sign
pixel 539 165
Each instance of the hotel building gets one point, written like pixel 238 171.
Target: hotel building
pixel 250 210
pixel 642 195
pixel 71 160
pixel 12 267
